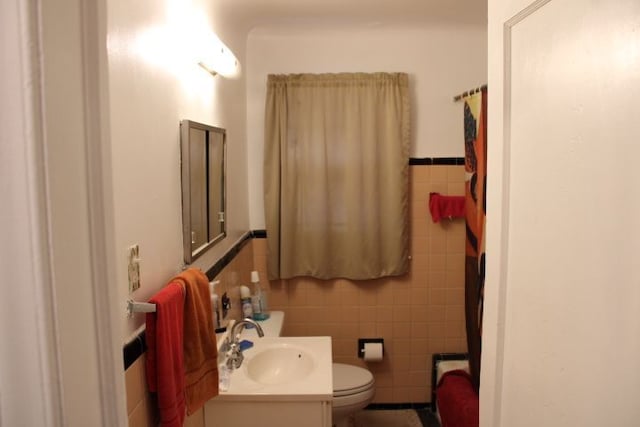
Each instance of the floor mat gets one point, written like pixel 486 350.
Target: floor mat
pixel 387 418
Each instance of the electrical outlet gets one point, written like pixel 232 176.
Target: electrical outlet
pixel 134 268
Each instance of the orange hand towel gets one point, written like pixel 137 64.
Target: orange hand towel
pixel 200 350
pixel 164 360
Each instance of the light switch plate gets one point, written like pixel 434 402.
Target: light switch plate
pixel 134 268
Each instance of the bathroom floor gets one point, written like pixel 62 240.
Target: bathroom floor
pixel 428 418
pixel 394 418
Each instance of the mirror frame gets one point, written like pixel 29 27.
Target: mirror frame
pixel 185 154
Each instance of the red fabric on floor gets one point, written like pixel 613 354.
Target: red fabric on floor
pixel 458 403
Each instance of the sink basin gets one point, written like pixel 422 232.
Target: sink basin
pixel 282 369
pixel 280 363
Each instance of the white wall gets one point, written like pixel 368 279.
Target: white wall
pixel 442 61
pixel 153 85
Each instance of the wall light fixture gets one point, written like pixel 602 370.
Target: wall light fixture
pixel 218 58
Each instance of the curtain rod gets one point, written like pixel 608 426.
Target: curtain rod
pixel 469 92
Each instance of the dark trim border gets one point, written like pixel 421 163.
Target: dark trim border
pixel 228 257
pixel 259 234
pixel 387 406
pixel 435 359
pixel 436 161
pixel 134 349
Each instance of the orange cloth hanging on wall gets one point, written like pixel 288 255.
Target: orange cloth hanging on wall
pixel 200 350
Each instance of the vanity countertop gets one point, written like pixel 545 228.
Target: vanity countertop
pixel 312 382
pixel 315 384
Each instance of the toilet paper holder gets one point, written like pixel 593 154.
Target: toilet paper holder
pixel 363 341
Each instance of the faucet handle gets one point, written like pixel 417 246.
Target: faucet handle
pixel 234 356
pixel 229 340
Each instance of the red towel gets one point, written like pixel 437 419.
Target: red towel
pixel 458 403
pixel 200 350
pixel 446 206
pixel 165 360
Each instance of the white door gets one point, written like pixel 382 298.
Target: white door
pixel 562 316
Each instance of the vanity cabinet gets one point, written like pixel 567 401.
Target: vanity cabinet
pixel 251 413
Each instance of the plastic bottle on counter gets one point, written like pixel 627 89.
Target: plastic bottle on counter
pixel 259 298
pixel 245 301
pixel 214 304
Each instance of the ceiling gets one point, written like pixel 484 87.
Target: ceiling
pixel 270 13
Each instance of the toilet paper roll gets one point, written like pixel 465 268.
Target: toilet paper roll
pixel 373 352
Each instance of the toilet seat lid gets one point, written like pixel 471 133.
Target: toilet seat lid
pixel 349 378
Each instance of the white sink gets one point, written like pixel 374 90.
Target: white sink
pixel 283 368
pixel 282 381
pixel 280 363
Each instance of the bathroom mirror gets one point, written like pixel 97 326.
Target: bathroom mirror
pixel 203 163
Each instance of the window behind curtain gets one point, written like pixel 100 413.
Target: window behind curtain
pixel 336 175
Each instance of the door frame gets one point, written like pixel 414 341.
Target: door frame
pixel 38 385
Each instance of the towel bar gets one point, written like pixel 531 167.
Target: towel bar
pixel 139 307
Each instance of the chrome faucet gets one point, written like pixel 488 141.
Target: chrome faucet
pixel 234 355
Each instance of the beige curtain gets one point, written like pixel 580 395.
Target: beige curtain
pixel 336 175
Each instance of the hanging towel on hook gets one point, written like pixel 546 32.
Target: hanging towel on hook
pixel 446 206
pixel 165 360
pixel 200 349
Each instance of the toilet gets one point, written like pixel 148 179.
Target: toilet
pixel 353 389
